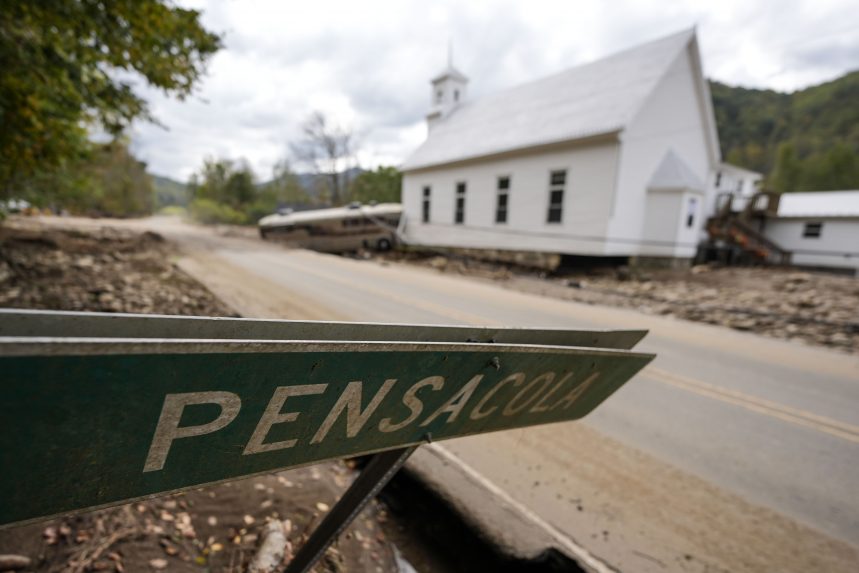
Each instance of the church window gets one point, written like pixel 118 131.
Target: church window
pixel 459 213
pixel 691 210
pixel 425 215
pixel 502 199
pixel 557 184
pixel 812 230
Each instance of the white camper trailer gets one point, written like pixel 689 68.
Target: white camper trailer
pixel 337 229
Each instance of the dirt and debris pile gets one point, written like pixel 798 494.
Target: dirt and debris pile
pixel 223 528
pixel 451 263
pixel 107 270
pixel 817 308
pixel 220 528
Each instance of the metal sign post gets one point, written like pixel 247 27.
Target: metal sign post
pixel 370 482
pixel 102 409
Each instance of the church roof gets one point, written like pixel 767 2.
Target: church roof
pixel 593 99
pixel 673 173
pixel 819 204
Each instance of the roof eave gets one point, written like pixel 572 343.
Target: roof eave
pixel 676 189
pixel 450 72
pixel 731 167
pixel 818 216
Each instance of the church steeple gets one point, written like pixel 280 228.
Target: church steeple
pixel 448 90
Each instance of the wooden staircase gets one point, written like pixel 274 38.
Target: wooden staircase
pixel 733 237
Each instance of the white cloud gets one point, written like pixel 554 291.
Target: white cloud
pixel 368 63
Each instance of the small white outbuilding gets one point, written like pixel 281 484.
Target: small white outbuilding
pixel 612 158
pixel 819 229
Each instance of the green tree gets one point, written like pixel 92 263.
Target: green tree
pixel 240 189
pixel 121 186
pixel 106 180
pixel 211 181
pixel 68 185
pixel 285 188
pixel 788 169
pixel 222 192
pixel 68 65
pixel 383 185
pixel 841 169
pixel 224 181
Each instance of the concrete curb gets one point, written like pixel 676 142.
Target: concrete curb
pixel 511 528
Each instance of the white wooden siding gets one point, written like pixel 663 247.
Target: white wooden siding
pixel 587 202
pixel 836 236
pixel 672 118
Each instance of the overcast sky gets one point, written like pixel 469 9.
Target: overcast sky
pixel 368 63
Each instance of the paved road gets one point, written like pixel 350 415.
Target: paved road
pixel 730 452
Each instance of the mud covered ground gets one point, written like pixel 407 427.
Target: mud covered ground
pixel 814 307
pixel 105 270
pixel 218 528
pixel 215 529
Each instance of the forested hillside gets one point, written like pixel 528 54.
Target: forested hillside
pixel 807 140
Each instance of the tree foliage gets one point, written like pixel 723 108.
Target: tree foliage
pixel 106 181
pixel 807 140
pixel 284 189
pixel 225 191
pixel 382 185
pixel 69 65
pixel 222 189
pixel 120 185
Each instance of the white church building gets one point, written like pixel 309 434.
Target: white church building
pixel 612 158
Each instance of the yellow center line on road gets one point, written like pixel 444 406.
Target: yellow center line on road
pixel 760 405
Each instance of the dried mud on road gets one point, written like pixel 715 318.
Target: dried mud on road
pixel 615 502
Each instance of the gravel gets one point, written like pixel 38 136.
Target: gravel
pixel 105 270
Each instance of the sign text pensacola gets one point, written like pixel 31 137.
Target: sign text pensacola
pixel 89 423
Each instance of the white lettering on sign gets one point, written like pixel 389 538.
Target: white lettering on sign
pixel 543 379
pixel 413 403
pixel 168 428
pixel 533 398
pixel 273 415
pixel 574 394
pixel 478 412
pixel 350 400
pixel 456 402
pixel 541 406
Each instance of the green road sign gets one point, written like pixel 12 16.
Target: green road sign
pixel 15 322
pixel 90 422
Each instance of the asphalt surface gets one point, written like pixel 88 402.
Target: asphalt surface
pixel 730 452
